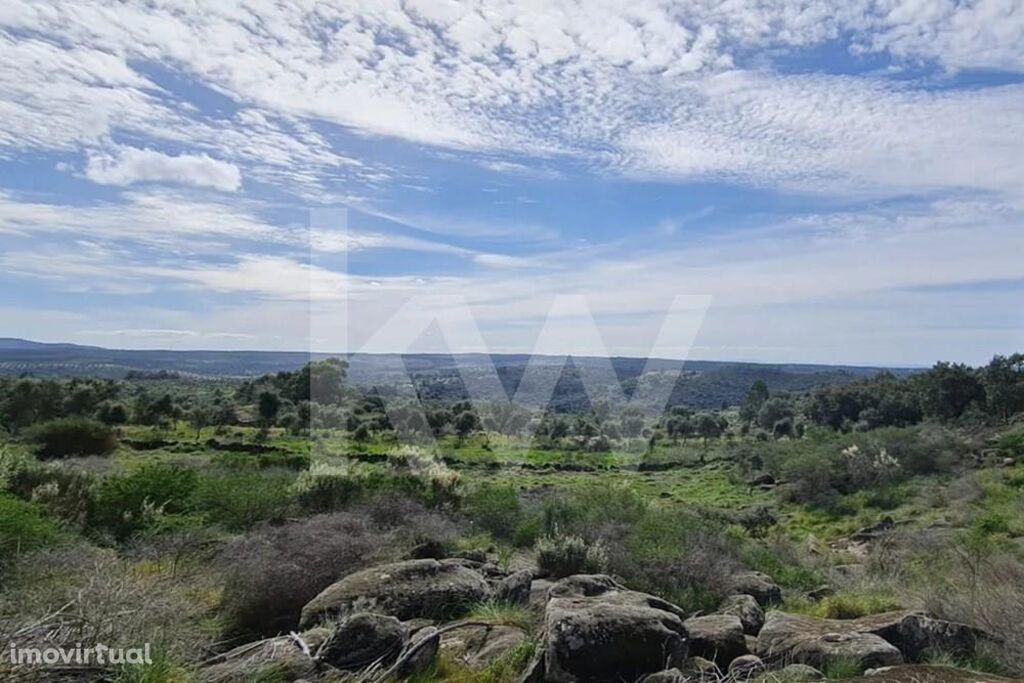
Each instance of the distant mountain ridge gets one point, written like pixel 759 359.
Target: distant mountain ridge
pixel 701 383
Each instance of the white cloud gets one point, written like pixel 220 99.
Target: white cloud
pixel 129 165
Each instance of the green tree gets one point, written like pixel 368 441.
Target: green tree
pixel 948 389
pixel 268 405
pixel 756 396
pixel 1003 378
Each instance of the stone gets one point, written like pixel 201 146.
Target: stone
pixel 478 646
pixel 361 640
pixel 747 609
pixel 515 588
pixel 409 589
pixel 793 673
pixel 666 676
pixel 418 654
pixel 924 673
pixel 821 642
pixel 282 656
pixel 760 586
pixel 746 667
pixel 599 632
pixel 717 637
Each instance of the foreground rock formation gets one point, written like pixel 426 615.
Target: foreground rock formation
pixel 389 622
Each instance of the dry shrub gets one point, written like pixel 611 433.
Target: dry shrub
pixel 272 572
pixel 986 591
pixel 79 594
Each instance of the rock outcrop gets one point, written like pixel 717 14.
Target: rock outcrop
pixel 747 609
pixel 759 586
pixel 921 673
pixel 597 631
pixel 822 642
pixel 478 646
pixel 410 589
pixel 717 637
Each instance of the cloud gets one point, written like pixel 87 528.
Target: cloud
pixel 129 165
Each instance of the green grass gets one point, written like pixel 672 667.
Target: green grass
pixel 849 605
pixel 504 614
pixel 842 668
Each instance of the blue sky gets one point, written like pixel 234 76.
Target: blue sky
pixel 768 181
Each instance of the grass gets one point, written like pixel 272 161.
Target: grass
pixel 507 669
pixel 845 605
pixel 504 614
pixel 842 668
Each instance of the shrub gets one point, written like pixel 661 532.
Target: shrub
pixel 494 508
pixel 852 605
pixel 69 436
pixel 23 527
pixel 238 500
pixel 130 503
pixel 274 571
pixel 559 556
pixel 325 488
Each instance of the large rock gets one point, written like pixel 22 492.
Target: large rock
pixel 760 586
pixel 282 656
pixel 418 654
pixel 410 589
pixel 922 673
pixel 597 632
pixel 747 609
pixel 718 637
pixel 667 676
pixel 821 642
pixel 745 667
pixel 514 589
pixel 477 646
pixel 915 633
pixel 793 673
pixel 361 640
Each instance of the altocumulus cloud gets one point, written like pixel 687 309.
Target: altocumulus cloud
pixel 129 165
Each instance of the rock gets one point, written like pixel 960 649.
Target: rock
pixel 873 531
pixel 915 633
pixel 745 667
pixel 477 647
pixel 584 585
pixel 820 593
pixel 751 643
pixel 479 556
pixel 361 640
pixel 429 550
pixel 598 632
pixel 820 642
pixel 667 676
pixel 923 673
pixel 514 589
pixel 794 673
pixel 746 608
pixel 702 669
pixel 717 637
pixel 764 479
pixel 281 656
pixel 406 590
pixel 760 586
pixel 418 654
pixel 539 594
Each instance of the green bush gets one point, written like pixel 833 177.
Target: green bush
pixel 128 504
pixel 65 493
pixel 23 527
pixel 559 556
pixel 494 508
pixel 324 488
pixel 238 500
pixel 69 436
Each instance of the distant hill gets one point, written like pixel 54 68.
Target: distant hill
pixel 704 384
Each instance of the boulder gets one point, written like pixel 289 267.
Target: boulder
pixel 410 589
pixel 915 633
pixel 794 673
pixel 539 594
pixel 746 608
pixel 923 673
pixel 821 642
pixel 361 640
pixel 418 653
pixel 760 586
pixel 746 667
pixel 667 676
pixel 514 589
pixel 717 637
pixel 596 631
pixel 282 656
pixel 478 646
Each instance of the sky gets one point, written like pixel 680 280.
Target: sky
pixel 760 180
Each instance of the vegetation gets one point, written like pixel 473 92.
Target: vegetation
pixel 230 504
